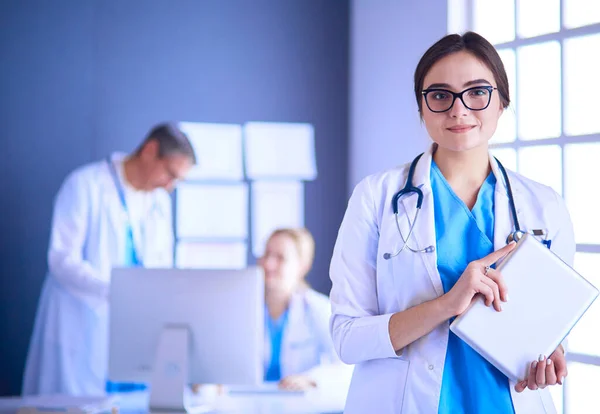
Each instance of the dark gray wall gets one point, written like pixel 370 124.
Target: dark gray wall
pixel 388 39
pixel 81 78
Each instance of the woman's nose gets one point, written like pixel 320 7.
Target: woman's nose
pixel 458 109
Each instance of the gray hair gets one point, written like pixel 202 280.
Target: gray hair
pixel 171 141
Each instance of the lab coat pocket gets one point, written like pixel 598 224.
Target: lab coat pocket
pixel 378 386
pixel 411 284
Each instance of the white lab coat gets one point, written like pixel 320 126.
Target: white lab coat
pixel 306 346
pixel 368 289
pixel 69 345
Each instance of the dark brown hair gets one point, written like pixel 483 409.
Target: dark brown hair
pixel 470 42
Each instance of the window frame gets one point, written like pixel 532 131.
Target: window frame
pixel 466 21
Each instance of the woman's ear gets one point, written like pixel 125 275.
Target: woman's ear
pixel 500 110
pixel 305 269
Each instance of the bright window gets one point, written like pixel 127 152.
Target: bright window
pixel 551 134
pixel 582 67
pixel 579 13
pixel 537 17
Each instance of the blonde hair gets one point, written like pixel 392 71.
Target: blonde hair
pixel 304 243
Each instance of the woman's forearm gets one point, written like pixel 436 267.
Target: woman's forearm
pixel 407 326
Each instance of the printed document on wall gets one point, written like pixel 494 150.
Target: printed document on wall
pixel 218 149
pixel 216 211
pixel 200 255
pixel 275 204
pixel 280 150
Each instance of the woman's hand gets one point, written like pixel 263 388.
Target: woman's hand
pixel 197 388
pixel 543 372
pixel 479 277
pixel 297 383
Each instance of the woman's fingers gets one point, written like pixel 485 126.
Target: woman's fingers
pixel 531 378
pixel 495 296
pixel 551 378
pixel 486 291
pixel 541 373
pixel 493 257
pixel 560 364
pixel 520 386
pixel 540 376
pixel 496 276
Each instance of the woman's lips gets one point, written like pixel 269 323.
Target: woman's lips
pixel 460 129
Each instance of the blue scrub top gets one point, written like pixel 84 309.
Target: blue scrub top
pixel 275 328
pixel 131 257
pixel 470 384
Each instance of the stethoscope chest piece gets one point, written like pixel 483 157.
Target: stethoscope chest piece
pixel 515 236
pixel 409 187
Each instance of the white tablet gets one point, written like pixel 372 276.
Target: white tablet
pixel 546 299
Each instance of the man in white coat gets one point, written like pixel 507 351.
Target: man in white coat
pixel 112 213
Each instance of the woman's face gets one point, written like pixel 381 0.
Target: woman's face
pixel 281 263
pixel 461 129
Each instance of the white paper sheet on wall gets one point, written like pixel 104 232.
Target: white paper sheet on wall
pixel 200 255
pixel 205 210
pixel 275 204
pixel 218 149
pixel 280 150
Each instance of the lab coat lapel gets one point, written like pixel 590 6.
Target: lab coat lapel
pixel 503 221
pixel 296 327
pixel 117 217
pixel 296 331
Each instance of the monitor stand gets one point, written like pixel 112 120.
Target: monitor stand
pixel 170 372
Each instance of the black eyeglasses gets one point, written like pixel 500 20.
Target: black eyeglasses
pixel 441 100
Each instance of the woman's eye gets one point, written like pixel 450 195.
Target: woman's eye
pixel 479 92
pixel 438 96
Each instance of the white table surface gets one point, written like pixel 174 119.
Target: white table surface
pixel 247 402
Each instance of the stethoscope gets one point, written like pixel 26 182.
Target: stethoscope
pixel 409 188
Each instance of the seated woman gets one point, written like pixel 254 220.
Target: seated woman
pixel 299 352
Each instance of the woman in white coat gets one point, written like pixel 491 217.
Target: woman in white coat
pixel 111 213
pixel 392 300
pixel 299 353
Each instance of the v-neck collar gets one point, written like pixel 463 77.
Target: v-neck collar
pixel 489 181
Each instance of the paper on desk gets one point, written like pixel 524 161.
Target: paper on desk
pixel 280 150
pixel 200 255
pixel 205 210
pixel 218 149
pixel 275 204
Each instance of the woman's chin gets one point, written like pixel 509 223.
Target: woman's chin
pixel 460 143
pixel 272 283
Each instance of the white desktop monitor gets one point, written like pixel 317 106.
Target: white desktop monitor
pixel 173 327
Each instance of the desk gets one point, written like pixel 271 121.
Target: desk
pixel 312 402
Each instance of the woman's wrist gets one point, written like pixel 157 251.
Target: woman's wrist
pixel 444 307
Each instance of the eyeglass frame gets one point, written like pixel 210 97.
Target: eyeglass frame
pixel 459 95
